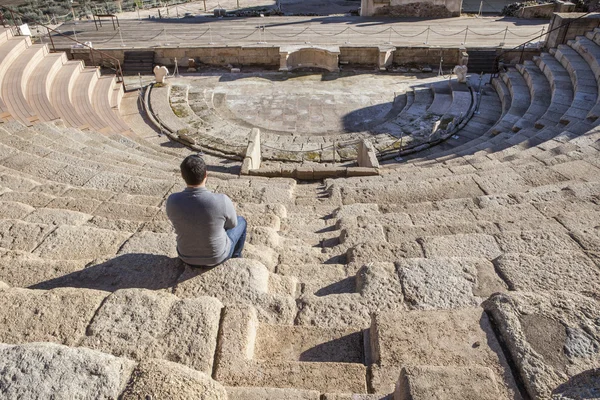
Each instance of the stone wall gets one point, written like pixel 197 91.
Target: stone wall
pixel 411 8
pixel 575 27
pixel 367 56
pixel 269 56
pixel 427 55
pixel 546 10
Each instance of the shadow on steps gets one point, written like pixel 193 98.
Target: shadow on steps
pixel 136 270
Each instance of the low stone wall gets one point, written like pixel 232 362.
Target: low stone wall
pixel 411 8
pixel 575 27
pixel 269 57
pixel 546 10
pixel 428 55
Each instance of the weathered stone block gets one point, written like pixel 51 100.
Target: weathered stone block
pixel 552 338
pixel 59 315
pixel 46 370
pixel 447 383
pixel 457 338
pixel 143 324
pixel 160 379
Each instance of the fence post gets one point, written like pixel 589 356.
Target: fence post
pixel 51 40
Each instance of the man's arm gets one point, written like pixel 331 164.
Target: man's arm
pixel 230 214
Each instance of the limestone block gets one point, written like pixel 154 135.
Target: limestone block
pixel 160 73
pixel 449 338
pixel 236 363
pixel 59 315
pixel 151 243
pixel 355 236
pixel 309 344
pixel 378 289
pixel 34 271
pixel 355 396
pixel 247 209
pixel 283 285
pixel 501 181
pixel 263 254
pixel 461 245
pixel 382 251
pixel 253 151
pixel 447 383
pixel 571 271
pixel 118 224
pixel 536 242
pixel 366 155
pixel 17 235
pixel 262 220
pixel 552 338
pixel 447 283
pixel 258 393
pixel 75 204
pixel 353 210
pixel 51 216
pixel 77 242
pixel 14 210
pixel 160 379
pixel 318 279
pixel 336 310
pixel 132 212
pixel 263 236
pixel 238 281
pixel 142 324
pixel 47 370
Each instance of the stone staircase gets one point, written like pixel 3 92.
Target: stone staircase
pixel 471 272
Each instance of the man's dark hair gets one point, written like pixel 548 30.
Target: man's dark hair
pixel 193 170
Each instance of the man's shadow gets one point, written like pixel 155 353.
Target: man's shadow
pixel 136 270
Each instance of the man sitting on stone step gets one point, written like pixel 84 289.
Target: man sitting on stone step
pixel 208 229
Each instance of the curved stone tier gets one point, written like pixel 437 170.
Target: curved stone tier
pixel 307 119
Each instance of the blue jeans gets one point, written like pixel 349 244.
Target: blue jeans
pixel 238 238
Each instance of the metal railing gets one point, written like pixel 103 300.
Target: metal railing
pixel 116 64
pixel 496 66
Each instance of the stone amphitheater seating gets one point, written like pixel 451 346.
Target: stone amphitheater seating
pixel 470 272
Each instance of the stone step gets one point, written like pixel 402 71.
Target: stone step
pixel 15 82
pixel 83 88
pixel 582 78
pixel 455 339
pixel 551 333
pixel 56 370
pixel 10 50
pixel 39 84
pixel 102 99
pixel 538 88
pixel 61 93
pixel 247 356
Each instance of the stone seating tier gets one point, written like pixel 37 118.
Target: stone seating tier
pixel 38 86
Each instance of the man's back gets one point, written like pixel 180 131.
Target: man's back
pixel 200 218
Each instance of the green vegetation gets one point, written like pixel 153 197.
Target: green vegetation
pixel 44 11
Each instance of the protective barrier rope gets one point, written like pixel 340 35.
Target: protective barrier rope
pixel 526 36
pixel 197 37
pixel 486 34
pixel 409 36
pixel 448 34
pixel 288 36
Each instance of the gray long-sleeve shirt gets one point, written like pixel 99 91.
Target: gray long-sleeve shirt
pixel 200 218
